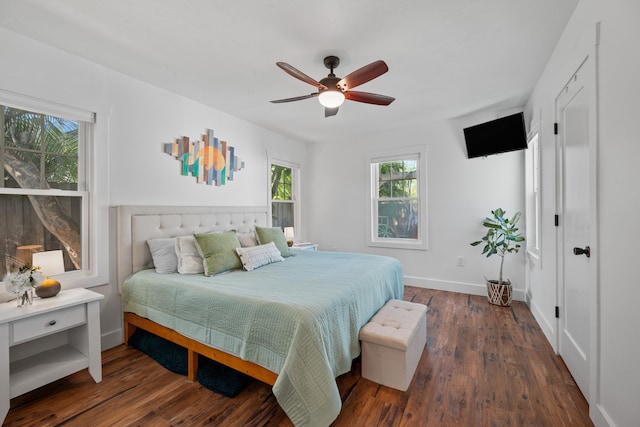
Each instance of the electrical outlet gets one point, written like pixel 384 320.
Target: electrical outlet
pixel 460 261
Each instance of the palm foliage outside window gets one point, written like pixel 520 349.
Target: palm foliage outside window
pixel 42 192
pixel 397 199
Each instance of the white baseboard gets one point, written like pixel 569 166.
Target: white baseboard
pixel 600 417
pixel 464 288
pixel 111 339
pixel 546 324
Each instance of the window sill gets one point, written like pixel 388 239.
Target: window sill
pixel 397 244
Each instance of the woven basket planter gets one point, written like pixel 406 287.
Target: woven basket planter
pixel 499 294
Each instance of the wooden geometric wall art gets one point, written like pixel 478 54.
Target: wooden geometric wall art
pixel 209 160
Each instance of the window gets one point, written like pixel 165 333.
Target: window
pixel 43 191
pixel 398 200
pixel 532 183
pixel 284 187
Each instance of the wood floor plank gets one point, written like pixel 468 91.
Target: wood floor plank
pixel 483 366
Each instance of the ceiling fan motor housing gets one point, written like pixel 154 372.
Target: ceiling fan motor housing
pixel 330 82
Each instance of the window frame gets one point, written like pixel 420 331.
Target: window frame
pixel 86 131
pixel 418 153
pixel 533 197
pixel 295 192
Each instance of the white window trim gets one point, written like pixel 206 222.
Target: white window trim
pixel 532 156
pixel 295 190
pixel 25 102
pixel 88 276
pixel 398 153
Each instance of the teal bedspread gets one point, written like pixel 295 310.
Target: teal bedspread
pixel 299 318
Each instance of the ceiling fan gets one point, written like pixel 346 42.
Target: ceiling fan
pixel 332 90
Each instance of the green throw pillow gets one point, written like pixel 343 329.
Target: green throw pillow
pixel 275 235
pixel 219 252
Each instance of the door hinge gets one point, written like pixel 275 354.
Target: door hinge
pixel 556 220
pixel 555 128
pixel 557 312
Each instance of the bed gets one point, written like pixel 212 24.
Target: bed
pixel 292 324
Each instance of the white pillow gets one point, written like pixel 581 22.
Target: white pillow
pixel 189 258
pixel 257 256
pixel 247 239
pixel 163 253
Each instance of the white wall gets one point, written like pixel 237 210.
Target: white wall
pixel 461 192
pixel 143 117
pixel 133 120
pixel 615 371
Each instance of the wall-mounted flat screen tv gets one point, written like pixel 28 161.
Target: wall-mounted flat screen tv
pixel 496 136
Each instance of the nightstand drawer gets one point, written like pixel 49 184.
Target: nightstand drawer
pixel 48 323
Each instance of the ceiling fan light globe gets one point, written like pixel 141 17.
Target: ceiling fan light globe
pixel 331 98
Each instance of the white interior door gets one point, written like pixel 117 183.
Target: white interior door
pixel 572 107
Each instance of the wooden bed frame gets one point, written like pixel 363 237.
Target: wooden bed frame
pixel 194 348
pixel 137 224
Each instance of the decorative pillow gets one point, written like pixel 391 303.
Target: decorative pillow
pixel 189 258
pixel 275 235
pixel 163 253
pixel 247 239
pixel 257 256
pixel 219 251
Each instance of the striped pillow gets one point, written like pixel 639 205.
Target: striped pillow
pixel 257 256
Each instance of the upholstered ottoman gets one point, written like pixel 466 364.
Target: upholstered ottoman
pixel 392 343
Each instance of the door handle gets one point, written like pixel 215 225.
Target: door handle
pixel 579 251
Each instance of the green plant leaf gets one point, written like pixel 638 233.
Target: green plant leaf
pixel 491 224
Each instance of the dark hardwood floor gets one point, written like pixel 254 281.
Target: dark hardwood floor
pixel 483 366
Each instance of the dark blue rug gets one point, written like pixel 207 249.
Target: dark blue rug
pixel 212 375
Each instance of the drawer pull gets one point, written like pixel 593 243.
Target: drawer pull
pixel 51 323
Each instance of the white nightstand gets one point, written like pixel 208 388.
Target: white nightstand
pixel 305 246
pixel 48 340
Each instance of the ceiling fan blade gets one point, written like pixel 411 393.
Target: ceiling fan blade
pixel 363 75
pixel 299 75
pixel 328 112
pixel 297 98
pixel 368 98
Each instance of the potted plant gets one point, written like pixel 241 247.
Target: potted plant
pixel 502 238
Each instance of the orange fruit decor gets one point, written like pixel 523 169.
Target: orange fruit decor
pixel 48 288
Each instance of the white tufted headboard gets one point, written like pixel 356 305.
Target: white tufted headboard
pixel 137 224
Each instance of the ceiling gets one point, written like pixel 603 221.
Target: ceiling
pixel 446 58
